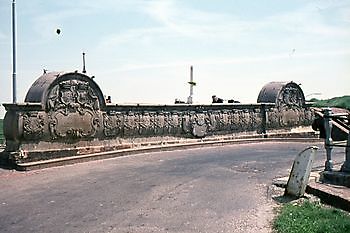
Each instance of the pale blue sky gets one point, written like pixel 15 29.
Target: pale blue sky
pixel 141 51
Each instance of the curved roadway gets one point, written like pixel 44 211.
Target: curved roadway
pixel 215 189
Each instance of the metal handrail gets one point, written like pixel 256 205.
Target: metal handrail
pixel 329 144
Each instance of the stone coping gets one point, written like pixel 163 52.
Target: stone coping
pixel 195 143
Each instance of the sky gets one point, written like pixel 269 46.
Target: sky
pixel 140 51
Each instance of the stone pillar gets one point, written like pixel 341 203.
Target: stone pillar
pixel 328 140
pixel 263 119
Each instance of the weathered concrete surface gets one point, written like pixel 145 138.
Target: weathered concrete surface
pixel 329 193
pixel 335 195
pixel 168 146
pixel 219 189
pixel 301 169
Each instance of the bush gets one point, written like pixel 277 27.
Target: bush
pixel 340 102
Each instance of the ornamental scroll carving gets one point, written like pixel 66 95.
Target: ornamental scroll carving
pixel 291 97
pixel 199 125
pixel 113 125
pixel 73 110
pixel 33 125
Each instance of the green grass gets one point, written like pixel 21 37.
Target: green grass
pixel 311 218
pixel 340 102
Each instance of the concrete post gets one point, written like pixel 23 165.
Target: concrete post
pixel 328 140
pixel 299 176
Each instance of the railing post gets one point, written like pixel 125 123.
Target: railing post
pixel 346 166
pixel 328 140
pixel 263 119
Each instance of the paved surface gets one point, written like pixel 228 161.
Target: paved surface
pixel 217 189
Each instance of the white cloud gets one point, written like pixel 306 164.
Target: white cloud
pixel 225 61
pixel 178 21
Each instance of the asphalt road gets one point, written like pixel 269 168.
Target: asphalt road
pixel 216 189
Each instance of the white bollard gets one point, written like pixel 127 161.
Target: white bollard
pixel 299 176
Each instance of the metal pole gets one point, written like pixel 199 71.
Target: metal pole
pixel 328 140
pixel 190 98
pixel 191 77
pixel 84 70
pixel 14 89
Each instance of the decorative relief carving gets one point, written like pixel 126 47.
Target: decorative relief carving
pixel 73 107
pixel 167 123
pixel 186 124
pixel 291 97
pixel 199 125
pixel 33 125
pixel 159 124
pixel 113 125
pixel 173 123
pixel 72 95
pixel 235 120
pixel 274 118
pixel 130 124
pixel 212 121
pixel 144 124
pixel 257 119
pixel 247 114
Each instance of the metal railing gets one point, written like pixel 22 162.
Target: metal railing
pixel 342 120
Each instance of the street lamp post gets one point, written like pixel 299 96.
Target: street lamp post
pixel 14 94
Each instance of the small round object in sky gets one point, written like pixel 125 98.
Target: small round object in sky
pixel 58 31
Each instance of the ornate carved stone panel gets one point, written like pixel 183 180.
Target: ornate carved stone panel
pixel 257 119
pixel 199 124
pixel 159 123
pixel 186 123
pixel 235 123
pixel 73 110
pixel 211 121
pixel 145 124
pixel 130 124
pixel 172 123
pixel 274 118
pixel 113 125
pixel 291 97
pixel 33 125
pixel 72 95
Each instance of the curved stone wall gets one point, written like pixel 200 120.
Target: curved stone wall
pixel 65 114
pixel 283 94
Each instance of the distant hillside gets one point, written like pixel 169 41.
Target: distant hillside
pixel 340 102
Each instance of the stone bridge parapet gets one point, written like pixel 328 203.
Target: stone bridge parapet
pixel 65 114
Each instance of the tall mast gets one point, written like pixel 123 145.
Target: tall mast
pixel 192 83
pixel 14 89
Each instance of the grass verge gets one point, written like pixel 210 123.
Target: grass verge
pixel 311 218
